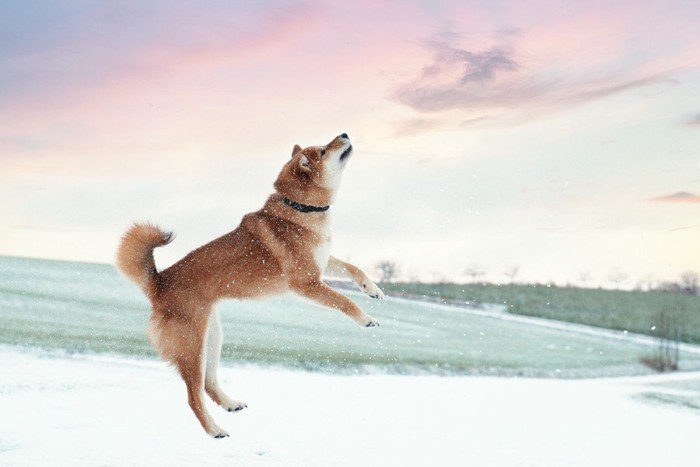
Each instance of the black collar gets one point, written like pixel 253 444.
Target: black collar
pixel 304 207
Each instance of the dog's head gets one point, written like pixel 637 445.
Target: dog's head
pixel 313 174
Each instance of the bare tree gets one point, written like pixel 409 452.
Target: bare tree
pixel 670 287
pixel 647 283
pixel 474 271
pixel 584 277
pixel 388 270
pixel 618 277
pixel 511 272
pixel 690 282
pixel 668 333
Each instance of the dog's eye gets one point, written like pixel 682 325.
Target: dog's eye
pixel 323 152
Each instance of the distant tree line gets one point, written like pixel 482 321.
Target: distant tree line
pixel 687 284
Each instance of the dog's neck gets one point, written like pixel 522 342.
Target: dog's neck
pixel 304 207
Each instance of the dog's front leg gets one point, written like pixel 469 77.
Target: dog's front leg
pixel 349 271
pixel 324 295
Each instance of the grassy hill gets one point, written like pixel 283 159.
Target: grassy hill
pixel 633 311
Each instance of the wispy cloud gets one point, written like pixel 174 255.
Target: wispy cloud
pixel 679 229
pixel 693 121
pixel 519 70
pixel 458 77
pixel 416 125
pixel 679 197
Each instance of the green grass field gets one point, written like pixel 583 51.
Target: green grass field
pixel 90 308
pixel 633 311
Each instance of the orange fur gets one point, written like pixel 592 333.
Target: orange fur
pixel 275 249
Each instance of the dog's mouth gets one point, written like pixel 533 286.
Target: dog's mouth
pixel 346 153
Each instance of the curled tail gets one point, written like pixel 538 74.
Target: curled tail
pixel 135 255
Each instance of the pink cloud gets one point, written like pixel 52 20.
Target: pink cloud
pixel 104 66
pixel 172 94
pixel 679 197
pixel 552 58
pixel 275 32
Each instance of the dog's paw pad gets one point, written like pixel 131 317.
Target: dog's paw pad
pixel 236 406
pixel 219 434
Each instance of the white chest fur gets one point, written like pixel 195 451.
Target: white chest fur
pixel 323 250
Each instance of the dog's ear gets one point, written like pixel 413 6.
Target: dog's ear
pixel 304 164
pixel 296 149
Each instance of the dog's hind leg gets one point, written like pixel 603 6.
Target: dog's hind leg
pixel 213 354
pixel 189 360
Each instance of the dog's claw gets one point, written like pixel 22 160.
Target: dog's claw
pixel 237 408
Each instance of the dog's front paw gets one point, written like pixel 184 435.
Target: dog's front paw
pixel 235 406
pixel 370 322
pixel 371 289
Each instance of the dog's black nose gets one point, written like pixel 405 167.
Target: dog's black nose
pixel 345 135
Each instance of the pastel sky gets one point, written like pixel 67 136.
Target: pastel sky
pixel 559 137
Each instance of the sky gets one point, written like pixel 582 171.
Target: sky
pixel 559 138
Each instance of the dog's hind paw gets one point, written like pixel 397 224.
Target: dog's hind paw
pixel 218 433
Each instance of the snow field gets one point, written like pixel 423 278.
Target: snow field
pixel 60 410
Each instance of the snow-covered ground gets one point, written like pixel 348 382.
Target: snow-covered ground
pixel 59 410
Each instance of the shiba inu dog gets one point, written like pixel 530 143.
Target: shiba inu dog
pixel 285 246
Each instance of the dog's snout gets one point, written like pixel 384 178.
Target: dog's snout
pixel 345 136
